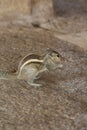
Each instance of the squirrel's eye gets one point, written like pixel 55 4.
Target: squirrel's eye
pixel 58 55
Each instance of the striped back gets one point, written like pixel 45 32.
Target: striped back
pixel 29 57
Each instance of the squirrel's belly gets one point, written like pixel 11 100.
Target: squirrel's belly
pixel 27 73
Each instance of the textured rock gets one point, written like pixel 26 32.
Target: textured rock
pixel 61 104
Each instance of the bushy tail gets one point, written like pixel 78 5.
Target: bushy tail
pixel 7 76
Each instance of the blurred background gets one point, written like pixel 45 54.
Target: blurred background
pixel 66 18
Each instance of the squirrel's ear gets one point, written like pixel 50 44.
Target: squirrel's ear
pixel 48 50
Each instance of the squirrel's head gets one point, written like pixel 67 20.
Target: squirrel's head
pixel 53 58
pixel 54 55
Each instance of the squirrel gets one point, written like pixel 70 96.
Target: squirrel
pixel 32 66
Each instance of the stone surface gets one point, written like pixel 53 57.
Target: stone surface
pixel 61 104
